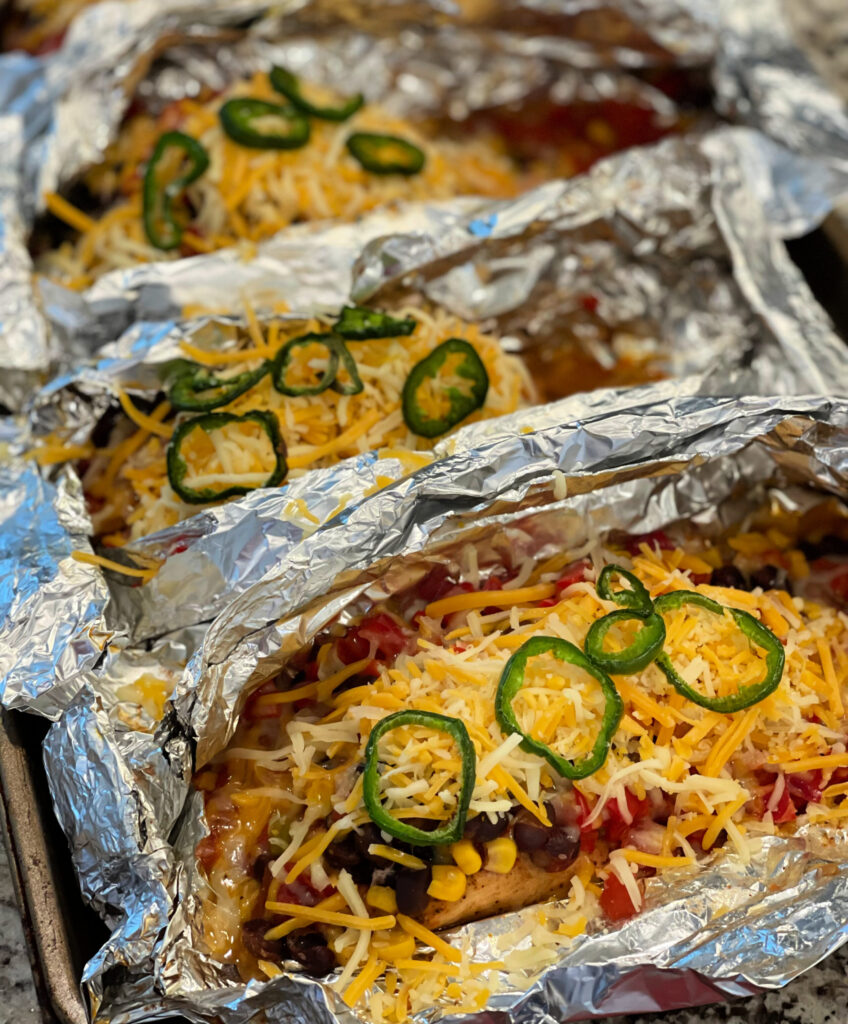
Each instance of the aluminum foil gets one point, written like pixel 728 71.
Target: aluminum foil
pixel 684 253
pixel 647 460
pixel 67 107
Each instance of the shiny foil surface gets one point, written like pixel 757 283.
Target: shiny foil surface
pixel 668 237
pixel 648 459
pixel 679 236
pixel 59 112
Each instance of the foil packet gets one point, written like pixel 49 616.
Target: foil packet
pixel 724 930
pixel 470 56
pixel 666 237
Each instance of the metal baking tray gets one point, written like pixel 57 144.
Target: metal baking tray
pixel 60 931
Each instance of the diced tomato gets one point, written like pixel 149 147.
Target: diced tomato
pixel 549 602
pixel 253 711
pixel 380 631
pixel 615 900
pixel 575 573
pixel 699 577
pixel 299 892
pixel 589 303
pixel 615 825
pixel 839 775
pixel 178 547
pixel 207 851
pixel 588 833
pixel 839 586
pixel 352 647
pixel 435 584
pixel 655 539
pixel 785 810
pixel 583 810
pixel 804 787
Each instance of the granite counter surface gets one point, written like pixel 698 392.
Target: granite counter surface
pixel 818 997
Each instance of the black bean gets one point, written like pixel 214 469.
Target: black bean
pixel 482 829
pixel 529 833
pixel 728 576
pixel 564 843
pixel 828 545
pixel 312 953
pixel 343 854
pixel 346 855
pixel 560 850
pixel 766 577
pixel 411 891
pixel 260 864
pixel 253 937
pixel 384 876
pixel 364 837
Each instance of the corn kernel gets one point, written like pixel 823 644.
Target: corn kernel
pixel 382 897
pixel 448 883
pixel 466 856
pixel 500 855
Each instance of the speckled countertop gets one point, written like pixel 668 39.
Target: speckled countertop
pixel 18 1004
pixel 818 997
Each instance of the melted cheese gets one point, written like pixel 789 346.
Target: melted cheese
pixel 247 195
pixel 697 764
pixel 319 430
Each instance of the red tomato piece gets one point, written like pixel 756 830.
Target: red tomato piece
pixel 435 584
pixel 805 787
pixel 615 900
pixel 615 824
pixel 574 573
pixel 386 633
pixel 253 712
pixel 654 539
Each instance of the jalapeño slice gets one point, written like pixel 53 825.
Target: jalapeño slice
pixel 202 391
pixel 636 598
pixel 259 124
pixel 385 154
pixel 512 679
pixel 337 353
pixel 178 467
pixel 354 384
pixel 461 401
pixel 451 831
pixel 289 85
pixel 646 645
pixel 358 323
pixel 177 161
pixel 753 629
